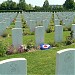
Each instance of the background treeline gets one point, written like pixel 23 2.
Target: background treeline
pixel 69 5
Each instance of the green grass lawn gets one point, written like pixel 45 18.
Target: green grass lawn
pixel 40 62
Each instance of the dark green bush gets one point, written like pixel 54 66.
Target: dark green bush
pixel 68 40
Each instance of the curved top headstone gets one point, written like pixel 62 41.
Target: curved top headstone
pixel 14 66
pixel 65 62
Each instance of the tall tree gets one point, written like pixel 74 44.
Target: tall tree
pixel 29 7
pixel 4 5
pixel 46 5
pixel 22 5
pixel 8 5
pixel 69 4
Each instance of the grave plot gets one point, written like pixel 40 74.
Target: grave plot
pixel 17 37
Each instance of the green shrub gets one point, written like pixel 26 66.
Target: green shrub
pixel 61 22
pixel 24 26
pixel 48 30
pixel 26 33
pixel 67 29
pixel 53 44
pixel 32 33
pixel 4 34
pixel 2 49
pixel 30 44
pixel 68 40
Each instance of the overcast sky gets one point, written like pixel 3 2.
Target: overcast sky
pixel 40 2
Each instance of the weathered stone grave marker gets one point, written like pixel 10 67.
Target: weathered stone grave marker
pixel 39 35
pixel 17 37
pixel 18 24
pixel 73 29
pixel 58 33
pixel 13 66
pixel 65 62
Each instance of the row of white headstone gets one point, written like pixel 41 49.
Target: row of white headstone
pixel 17 38
pixel 37 19
pixel 67 18
pixel 5 21
pixel 34 19
pixel 59 32
pixel 65 64
pixel 39 35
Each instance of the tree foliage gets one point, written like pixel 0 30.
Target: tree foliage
pixel 21 5
pixel 69 4
pixel 8 5
pixel 46 5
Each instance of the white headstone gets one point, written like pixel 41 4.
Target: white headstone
pixel 58 33
pixel 38 21
pixel 32 25
pixel 18 19
pixel 18 24
pixel 65 62
pixel 17 37
pixel 2 27
pixel 13 66
pixel 39 35
pixel 7 20
pixel 56 22
pixel 45 24
pixel 73 29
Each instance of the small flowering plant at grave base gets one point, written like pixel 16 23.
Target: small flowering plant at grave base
pixel 12 50
pixel 22 49
pixel 5 34
pixel 30 44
